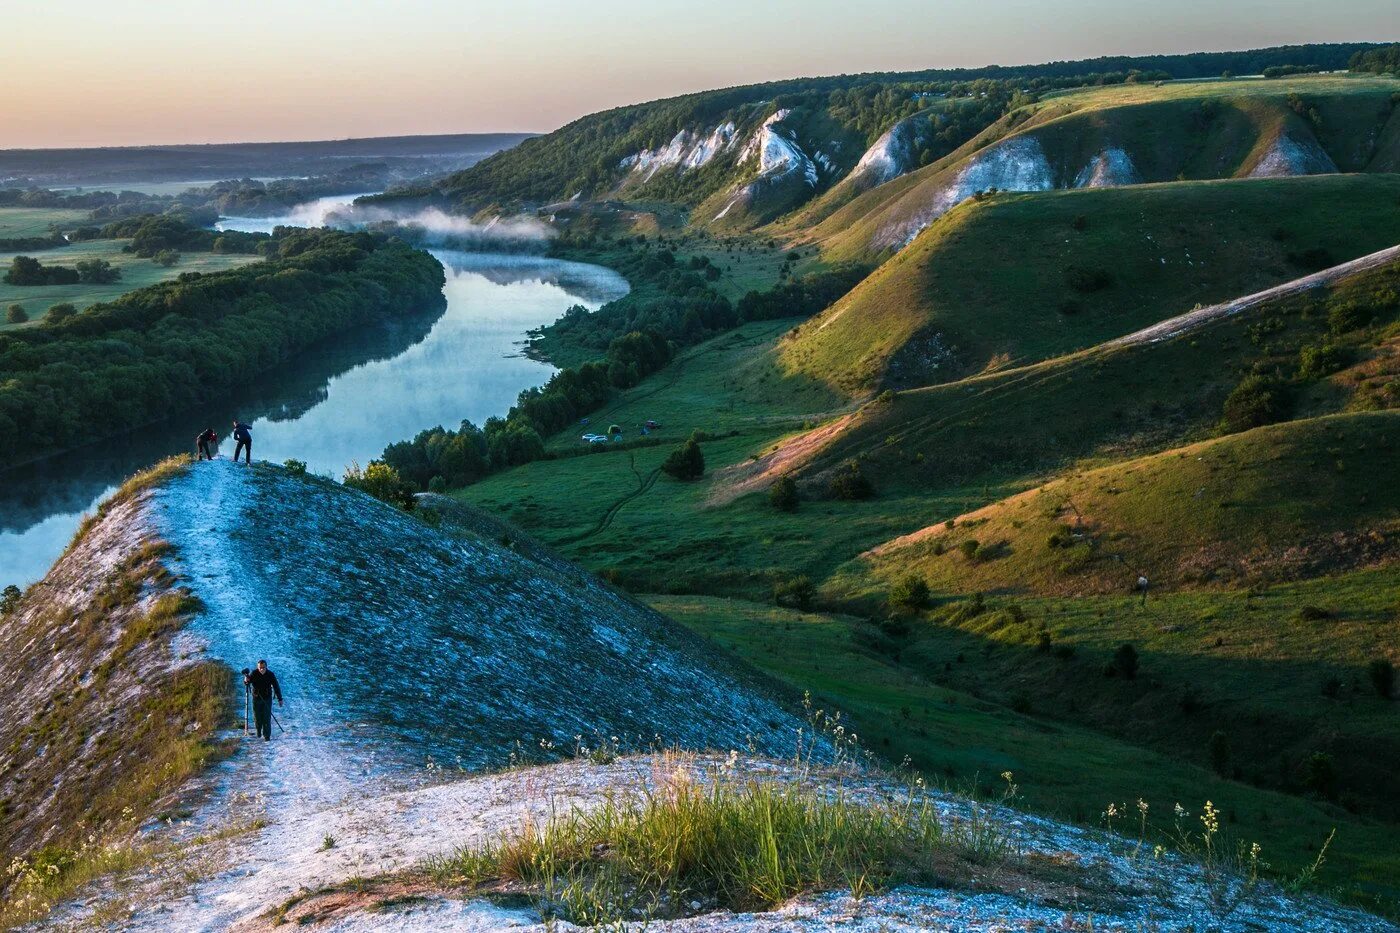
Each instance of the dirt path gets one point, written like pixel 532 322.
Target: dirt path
pixel 1199 317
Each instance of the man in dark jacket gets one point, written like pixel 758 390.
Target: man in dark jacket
pixel 243 434
pixel 263 683
pixel 207 442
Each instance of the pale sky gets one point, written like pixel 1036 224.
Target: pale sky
pixel 127 72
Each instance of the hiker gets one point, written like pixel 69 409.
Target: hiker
pixel 207 442
pixel 263 684
pixel 243 433
pixel 1142 585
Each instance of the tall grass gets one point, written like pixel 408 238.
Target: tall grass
pixel 727 841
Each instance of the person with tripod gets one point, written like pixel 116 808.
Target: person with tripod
pixel 261 684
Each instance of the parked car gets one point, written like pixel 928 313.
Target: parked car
pixel 590 438
pixel 651 425
pixel 598 439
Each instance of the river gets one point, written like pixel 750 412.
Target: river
pixel 337 403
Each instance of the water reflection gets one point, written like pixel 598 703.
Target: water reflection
pixel 339 402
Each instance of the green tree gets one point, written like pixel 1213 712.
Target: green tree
pixel 782 495
pixel 686 462
pixel 1256 401
pixel 9 599
pixel 166 257
pixel 850 483
pixel 1125 661
pixel 909 593
pixel 16 314
pixel 97 272
pixel 383 482
pixel 60 312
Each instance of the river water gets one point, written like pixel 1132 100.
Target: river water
pixel 337 403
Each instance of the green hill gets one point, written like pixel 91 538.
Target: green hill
pixel 1025 277
pixel 1289 500
pixel 1134 134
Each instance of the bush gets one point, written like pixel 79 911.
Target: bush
pixel 1219 750
pixel 1348 314
pixel 9 599
pixel 1382 674
pixel 60 312
pixel 1125 661
pixel 1320 775
pixel 295 467
pixel 969 549
pixel 782 495
pixel 1086 279
pixel 909 593
pixel 1313 614
pixel 166 258
pixel 794 592
pixel 15 314
pixel 437 484
pixel 850 483
pixel 383 482
pixel 686 462
pixel 97 272
pixel 1256 401
pixel 1321 359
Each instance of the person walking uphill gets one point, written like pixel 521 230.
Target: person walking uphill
pixel 243 434
pixel 207 442
pixel 263 684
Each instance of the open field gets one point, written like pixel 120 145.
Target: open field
pixel 16 222
pixel 136 273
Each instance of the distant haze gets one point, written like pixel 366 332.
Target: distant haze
pixel 85 73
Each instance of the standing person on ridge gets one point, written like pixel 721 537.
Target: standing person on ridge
pixel 243 433
pixel 1142 585
pixel 207 442
pixel 264 685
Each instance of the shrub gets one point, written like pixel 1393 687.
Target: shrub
pixel 1348 314
pixel 1061 537
pixel 1321 359
pixel 1125 661
pixel 1086 279
pixel 794 592
pixel 1256 401
pixel 1219 750
pixel 1320 774
pixel 969 549
pixel 97 272
pixel 850 483
pixel 1382 674
pixel 437 484
pixel 782 495
pixel 295 467
pixel 166 258
pixel 1043 642
pixel 383 482
pixel 686 462
pixel 909 593
pixel 9 599
pixel 60 312
pixel 1313 614
pixel 15 314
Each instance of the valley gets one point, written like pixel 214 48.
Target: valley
pixel 911 500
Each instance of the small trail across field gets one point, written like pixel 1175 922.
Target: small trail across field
pixel 644 483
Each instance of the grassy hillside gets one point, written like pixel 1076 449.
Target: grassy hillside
pixel 993 284
pixel 1288 500
pixel 1177 130
pixel 966 733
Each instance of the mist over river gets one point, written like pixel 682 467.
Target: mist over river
pixel 339 402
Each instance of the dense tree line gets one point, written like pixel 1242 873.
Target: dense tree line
pixel 1383 61
pixel 153 233
pixel 161 349
pixel 802 297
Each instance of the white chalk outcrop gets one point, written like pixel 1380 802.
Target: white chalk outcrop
pixel 1288 157
pixel 1112 168
pixel 891 156
pixel 687 151
pixel 781 161
pixel 1016 164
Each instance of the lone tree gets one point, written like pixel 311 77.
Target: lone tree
pixel 1125 661
pixel 782 495
pixel 909 593
pixel 60 312
pixel 686 462
pixel 15 314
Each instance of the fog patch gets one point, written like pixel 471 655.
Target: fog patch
pixel 432 226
